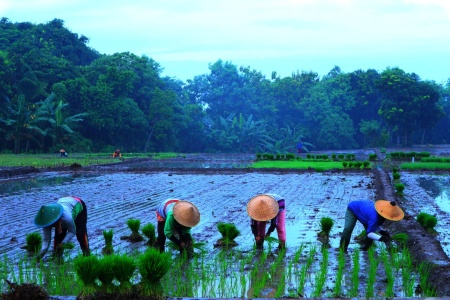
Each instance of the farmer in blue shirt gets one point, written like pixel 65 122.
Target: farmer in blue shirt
pixel 371 215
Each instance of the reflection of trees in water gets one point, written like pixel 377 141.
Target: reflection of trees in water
pixel 19 186
pixel 432 185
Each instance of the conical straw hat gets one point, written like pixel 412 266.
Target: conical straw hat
pixel 48 214
pixel 186 213
pixel 262 208
pixel 389 210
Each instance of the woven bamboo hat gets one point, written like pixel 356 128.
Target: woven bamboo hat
pixel 48 214
pixel 389 210
pixel 186 213
pixel 262 208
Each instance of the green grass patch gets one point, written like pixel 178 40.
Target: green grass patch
pixel 84 159
pixel 425 166
pixel 303 164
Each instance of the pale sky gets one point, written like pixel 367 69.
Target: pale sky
pixel 285 36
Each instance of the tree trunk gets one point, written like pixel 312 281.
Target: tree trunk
pixel 423 137
pixel 148 140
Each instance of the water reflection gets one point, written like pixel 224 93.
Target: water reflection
pixel 14 187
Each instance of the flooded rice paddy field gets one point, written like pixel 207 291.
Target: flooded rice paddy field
pixel 114 197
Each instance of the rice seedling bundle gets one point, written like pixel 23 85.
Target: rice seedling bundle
pixel 135 225
pixel 87 269
pixel 229 232
pixel 326 224
pixel 34 242
pixel 108 235
pixel 123 269
pixel 149 231
pixel 152 266
pixel 106 273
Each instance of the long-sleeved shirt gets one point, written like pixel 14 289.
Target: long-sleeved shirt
pixel 274 221
pixel 173 228
pixel 366 213
pixel 71 209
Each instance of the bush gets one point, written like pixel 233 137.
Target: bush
pixel 372 156
pixel 399 188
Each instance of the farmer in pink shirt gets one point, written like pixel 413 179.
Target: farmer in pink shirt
pixel 263 208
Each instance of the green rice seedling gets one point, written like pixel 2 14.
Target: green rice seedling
pixel 149 231
pixel 361 236
pixel 399 188
pixel 373 265
pixel 123 268
pixel 427 221
pixel 430 222
pixel 355 274
pixel 106 273
pixel 390 279
pixel 421 218
pixel 108 235
pixel 337 290
pixel 305 270
pixel 396 176
pixel 152 266
pixel 229 232
pixel 407 278
pixel 401 238
pixel 425 288
pixel 134 225
pixel 87 269
pixel 33 243
pixel 322 274
pixel 326 224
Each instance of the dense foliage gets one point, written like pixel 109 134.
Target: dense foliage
pixel 57 92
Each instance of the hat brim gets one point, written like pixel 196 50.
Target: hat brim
pixel 186 214
pixel 48 214
pixel 388 211
pixel 262 208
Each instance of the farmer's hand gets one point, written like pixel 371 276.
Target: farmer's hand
pixel 385 239
pixel 384 233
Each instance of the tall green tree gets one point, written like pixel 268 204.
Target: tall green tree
pixel 408 103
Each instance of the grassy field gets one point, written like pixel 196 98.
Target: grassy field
pixel 425 166
pixel 302 164
pixel 84 159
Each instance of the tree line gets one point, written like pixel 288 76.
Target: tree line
pixel 57 92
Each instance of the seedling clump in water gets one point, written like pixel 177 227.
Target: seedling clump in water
pixel 34 243
pixel 134 225
pixel 108 235
pixel 229 232
pixel 149 231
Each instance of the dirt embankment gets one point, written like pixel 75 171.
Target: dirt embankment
pixel 423 246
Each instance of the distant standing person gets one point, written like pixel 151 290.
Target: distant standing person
pixel 69 218
pixel 371 215
pixel 263 208
pixel 117 153
pixel 175 219
pixel 299 146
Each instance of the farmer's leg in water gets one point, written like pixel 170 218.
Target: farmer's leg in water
pixel 60 234
pixel 261 233
pixel 82 236
pixel 281 229
pixel 161 240
pixel 350 222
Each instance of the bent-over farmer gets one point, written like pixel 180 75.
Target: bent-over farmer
pixel 69 217
pixel 175 220
pixel 263 208
pixel 371 215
